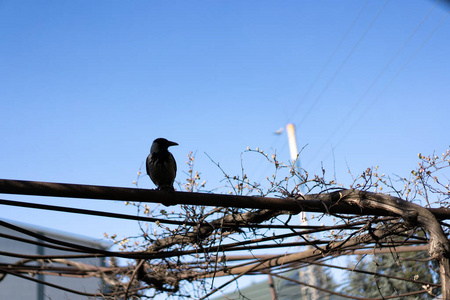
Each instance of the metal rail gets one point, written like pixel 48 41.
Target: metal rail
pixel 309 204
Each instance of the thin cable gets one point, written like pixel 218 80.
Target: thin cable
pixel 392 80
pixel 355 46
pixel 366 92
pixel 314 82
pixel 92 212
pixel 316 79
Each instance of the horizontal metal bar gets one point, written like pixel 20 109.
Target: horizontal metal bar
pixel 141 195
pixel 308 204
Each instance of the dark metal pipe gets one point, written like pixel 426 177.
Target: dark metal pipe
pixel 142 195
pixel 309 204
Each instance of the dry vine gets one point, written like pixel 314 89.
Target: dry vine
pixel 181 249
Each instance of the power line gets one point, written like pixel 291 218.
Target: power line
pixel 318 76
pixel 350 53
pixel 343 63
pixel 330 57
pixel 366 92
pixel 91 212
pixel 390 82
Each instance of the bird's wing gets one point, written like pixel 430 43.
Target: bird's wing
pixel 147 164
pixel 174 162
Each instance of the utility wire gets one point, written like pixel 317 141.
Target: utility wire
pixel 92 212
pixel 134 218
pixel 366 92
pixel 390 82
pixel 330 57
pixel 344 37
pixel 336 73
pixel 325 65
pixel 355 46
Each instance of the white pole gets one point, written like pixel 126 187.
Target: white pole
pixel 290 128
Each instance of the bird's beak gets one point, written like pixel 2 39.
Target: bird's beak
pixel 172 144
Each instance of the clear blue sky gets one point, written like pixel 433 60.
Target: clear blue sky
pixel 86 86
